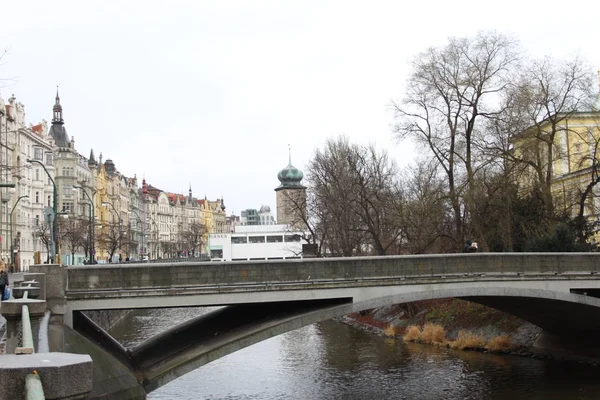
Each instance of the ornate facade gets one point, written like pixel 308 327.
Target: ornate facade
pixel 103 215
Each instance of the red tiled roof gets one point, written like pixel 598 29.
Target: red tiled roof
pixel 37 128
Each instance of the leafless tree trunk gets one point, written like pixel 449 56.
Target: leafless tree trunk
pixel 548 93
pixel 450 90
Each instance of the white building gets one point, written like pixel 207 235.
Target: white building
pixel 256 242
pixel 265 216
pixel 71 171
pixel 21 209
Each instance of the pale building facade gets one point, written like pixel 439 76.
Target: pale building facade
pixel 21 207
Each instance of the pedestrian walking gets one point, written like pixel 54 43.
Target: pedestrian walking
pixel 472 248
pixel 3 282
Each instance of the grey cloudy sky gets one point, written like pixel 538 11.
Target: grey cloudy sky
pixel 212 93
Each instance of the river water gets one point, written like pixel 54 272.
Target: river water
pixel 330 360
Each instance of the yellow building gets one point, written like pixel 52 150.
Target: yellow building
pixel 574 160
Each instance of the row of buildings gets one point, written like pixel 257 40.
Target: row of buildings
pixel 48 190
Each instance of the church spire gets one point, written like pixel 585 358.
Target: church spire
pixel 57 130
pixel 57 109
pixel 92 159
pixel 190 198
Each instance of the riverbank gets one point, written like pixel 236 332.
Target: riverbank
pixel 455 316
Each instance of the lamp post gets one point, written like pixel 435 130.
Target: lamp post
pixel 54 236
pixel 156 226
pixel 108 203
pixel 12 252
pixel 143 234
pixel 5 197
pixel 91 233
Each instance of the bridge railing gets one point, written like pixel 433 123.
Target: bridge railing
pixel 189 274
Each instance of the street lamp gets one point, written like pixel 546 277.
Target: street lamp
pixel 5 198
pixel 108 203
pixel 143 234
pixel 92 220
pixel 156 237
pixel 54 235
pixel 12 252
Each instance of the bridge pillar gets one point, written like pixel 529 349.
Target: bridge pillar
pixel 53 289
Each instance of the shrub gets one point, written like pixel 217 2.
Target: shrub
pixel 390 330
pixel 413 334
pixel 433 334
pixel 499 343
pixel 468 340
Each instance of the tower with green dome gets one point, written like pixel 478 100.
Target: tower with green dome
pixel 291 196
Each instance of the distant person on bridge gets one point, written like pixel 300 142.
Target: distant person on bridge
pixel 470 247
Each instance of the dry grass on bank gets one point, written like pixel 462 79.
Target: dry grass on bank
pixel 413 334
pixel 392 331
pixel 433 334
pixel 430 334
pixel 436 335
pixel 500 343
pixel 468 341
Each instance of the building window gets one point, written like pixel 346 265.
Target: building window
pixel 292 238
pixel 49 200
pixel 38 153
pixel 37 174
pixel 257 239
pixel 37 197
pixel 68 190
pixel 275 239
pixel 37 220
pixel 67 207
pixel 238 240
pixel 49 159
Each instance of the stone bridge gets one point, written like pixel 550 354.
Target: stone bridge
pixel 556 291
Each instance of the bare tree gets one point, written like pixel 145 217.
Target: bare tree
pixel 111 238
pixel 449 92
pixel 548 93
pixel 353 201
pixel 335 194
pixel 74 234
pixel 192 237
pixel 44 231
pixel 427 214
pixel 168 247
pixel 308 218
pixel 378 203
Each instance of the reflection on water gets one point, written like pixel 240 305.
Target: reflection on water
pixel 332 361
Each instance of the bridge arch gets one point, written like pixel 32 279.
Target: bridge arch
pixel 229 329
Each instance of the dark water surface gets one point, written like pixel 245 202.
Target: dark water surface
pixel 333 361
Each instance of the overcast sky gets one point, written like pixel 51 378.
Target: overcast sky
pixel 211 93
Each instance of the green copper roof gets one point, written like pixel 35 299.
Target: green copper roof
pixel 290 176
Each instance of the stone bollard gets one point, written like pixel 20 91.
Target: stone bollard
pixel 12 310
pixel 33 387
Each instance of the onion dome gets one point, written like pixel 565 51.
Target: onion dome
pixel 290 177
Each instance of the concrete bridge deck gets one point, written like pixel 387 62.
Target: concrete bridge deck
pixel 556 291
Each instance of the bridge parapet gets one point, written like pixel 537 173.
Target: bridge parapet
pixel 185 274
